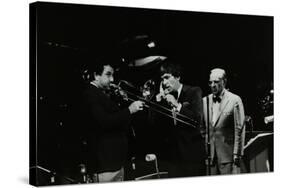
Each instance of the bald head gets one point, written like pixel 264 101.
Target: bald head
pixel 217 81
pixel 217 72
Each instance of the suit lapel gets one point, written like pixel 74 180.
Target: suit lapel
pixel 183 91
pixel 224 102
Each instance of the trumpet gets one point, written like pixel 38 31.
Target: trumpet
pixel 129 96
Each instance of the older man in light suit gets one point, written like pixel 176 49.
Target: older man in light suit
pixel 225 130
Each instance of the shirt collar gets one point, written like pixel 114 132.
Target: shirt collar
pixel 94 84
pixel 222 94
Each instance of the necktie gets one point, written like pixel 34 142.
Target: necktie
pixel 175 94
pixel 216 99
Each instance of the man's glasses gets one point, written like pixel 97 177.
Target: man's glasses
pixel 214 81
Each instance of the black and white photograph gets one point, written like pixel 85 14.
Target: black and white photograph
pixel 159 94
pixel 130 94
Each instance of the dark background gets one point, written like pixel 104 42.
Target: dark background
pixel 70 36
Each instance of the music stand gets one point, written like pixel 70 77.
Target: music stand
pixel 258 153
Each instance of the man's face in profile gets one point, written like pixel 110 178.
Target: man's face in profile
pixel 106 78
pixel 170 83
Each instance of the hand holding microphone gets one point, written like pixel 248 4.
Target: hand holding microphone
pixel 165 94
pixel 171 100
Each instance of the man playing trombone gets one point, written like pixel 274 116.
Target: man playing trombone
pixel 107 125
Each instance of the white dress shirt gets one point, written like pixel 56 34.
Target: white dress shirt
pixel 216 108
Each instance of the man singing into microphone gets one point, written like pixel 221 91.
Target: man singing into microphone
pixel 186 144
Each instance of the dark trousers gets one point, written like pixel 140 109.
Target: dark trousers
pixel 224 168
pixel 186 169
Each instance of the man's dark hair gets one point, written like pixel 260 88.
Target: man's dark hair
pixel 96 66
pixel 171 68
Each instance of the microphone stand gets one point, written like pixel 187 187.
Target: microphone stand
pixel 208 138
pixel 174 116
pixel 153 157
pixel 53 175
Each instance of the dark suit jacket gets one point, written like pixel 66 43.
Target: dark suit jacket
pixel 106 130
pixel 227 135
pixel 187 142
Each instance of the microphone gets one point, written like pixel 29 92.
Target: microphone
pixel 133 160
pixel 83 172
pixel 268 119
pixel 150 157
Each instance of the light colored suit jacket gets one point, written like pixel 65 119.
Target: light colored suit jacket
pixel 227 133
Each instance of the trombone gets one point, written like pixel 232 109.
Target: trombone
pixel 131 97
